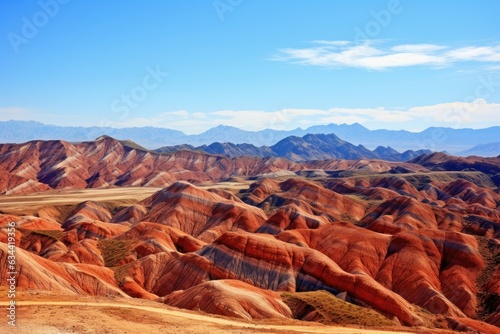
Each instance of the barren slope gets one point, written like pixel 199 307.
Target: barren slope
pixel 419 248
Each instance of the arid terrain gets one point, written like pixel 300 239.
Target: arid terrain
pixel 248 244
pixel 70 314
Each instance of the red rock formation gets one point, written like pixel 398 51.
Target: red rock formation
pixel 91 221
pixel 231 298
pixel 63 248
pixel 11 184
pixel 200 213
pixel 40 274
pixel 361 187
pixel 88 211
pixel 377 166
pixel 386 242
pixel 151 238
pixel 291 216
pixel 132 214
pixel 300 199
pixel 42 165
pixel 471 326
pixel 399 214
pixel 440 161
pixel 266 263
pixel 472 194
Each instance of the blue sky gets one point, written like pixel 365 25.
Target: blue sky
pixel 254 64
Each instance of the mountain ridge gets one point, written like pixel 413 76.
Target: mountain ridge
pixel 433 138
pixel 483 150
pixel 38 166
pixel 308 147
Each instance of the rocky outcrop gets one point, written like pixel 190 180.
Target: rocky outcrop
pixel 231 298
pixel 393 243
pixel 200 213
pixel 41 165
pixel 37 273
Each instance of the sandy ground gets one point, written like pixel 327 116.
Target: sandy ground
pixel 231 186
pixel 67 314
pixel 21 204
pixel 29 204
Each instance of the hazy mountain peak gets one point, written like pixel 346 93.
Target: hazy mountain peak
pixel 483 150
pixel 445 139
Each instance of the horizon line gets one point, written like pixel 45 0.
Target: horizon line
pixel 250 131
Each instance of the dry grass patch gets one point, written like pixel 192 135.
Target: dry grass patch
pixel 419 179
pixel 121 272
pixel 54 234
pixel 491 257
pixel 113 251
pixel 334 310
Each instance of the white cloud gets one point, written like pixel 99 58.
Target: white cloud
pixel 473 53
pixel 179 113
pixel 460 114
pixel 476 114
pixel 258 119
pixel 199 115
pixel 368 115
pixel 15 113
pixel 373 55
pixel 343 118
pixel 23 114
pixel 420 48
pixel 331 42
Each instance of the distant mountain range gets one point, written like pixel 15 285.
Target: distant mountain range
pixel 454 141
pixel 483 150
pixel 306 148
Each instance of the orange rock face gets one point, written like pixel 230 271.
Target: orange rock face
pixel 230 298
pixel 38 273
pixel 202 214
pixel 394 243
pixel 42 165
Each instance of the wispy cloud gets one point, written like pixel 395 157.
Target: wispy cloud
pixel 24 114
pixel 15 113
pixel 252 120
pixel 374 55
pixel 475 114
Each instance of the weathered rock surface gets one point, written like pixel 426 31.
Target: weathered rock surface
pixel 40 274
pixel 41 165
pixel 230 298
pixel 391 242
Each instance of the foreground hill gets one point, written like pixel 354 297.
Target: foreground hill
pixel 101 315
pixel 308 147
pixel 419 254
